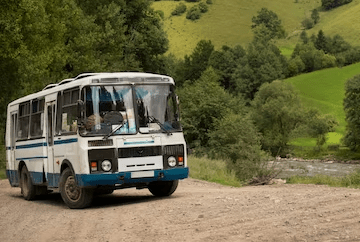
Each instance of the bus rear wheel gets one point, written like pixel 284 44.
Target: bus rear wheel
pixel 163 188
pixel 28 190
pixel 74 196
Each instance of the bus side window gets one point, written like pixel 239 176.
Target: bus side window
pixel 24 119
pixel 66 121
pixel 37 118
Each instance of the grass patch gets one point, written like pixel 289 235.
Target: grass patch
pixel 212 171
pixel 327 152
pixel 2 174
pixel 324 90
pixel 287 51
pixel 351 181
pixel 228 22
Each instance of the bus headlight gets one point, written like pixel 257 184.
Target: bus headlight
pixel 106 165
pixel 172 161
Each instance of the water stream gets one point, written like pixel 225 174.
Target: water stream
pixel 312 168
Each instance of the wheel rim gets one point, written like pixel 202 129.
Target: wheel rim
pixel 72 191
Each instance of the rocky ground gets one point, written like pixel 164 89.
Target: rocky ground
pixel 197 211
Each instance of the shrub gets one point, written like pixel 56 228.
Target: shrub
pixel 334 147
pixel 295 66
pixel 329 4
pixel 307 23
pixel 203 7
pixel 236 140
pixel 192 1
pixel 193 13
pixel 235 137
pixel 180 9
pixel 209 1
pixel 315 16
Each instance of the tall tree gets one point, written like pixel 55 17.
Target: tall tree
pixel 263 63
pixel 224 62
pixel 198 61
pixel 270 21
pixel 352 114
pixel 203 102
pixel 46 41
pixel 277 112
pixel 321 41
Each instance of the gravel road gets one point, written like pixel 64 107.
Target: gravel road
pixel 197 211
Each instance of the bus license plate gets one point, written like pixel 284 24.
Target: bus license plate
pixel 141 174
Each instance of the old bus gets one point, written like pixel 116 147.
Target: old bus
pixel 96 133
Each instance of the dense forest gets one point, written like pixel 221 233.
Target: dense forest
pixel 233 102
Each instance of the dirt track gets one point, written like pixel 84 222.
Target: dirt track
pixel 197 211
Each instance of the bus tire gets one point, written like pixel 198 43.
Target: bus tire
pixel 74 196
pixel 163 188
pixel 28 190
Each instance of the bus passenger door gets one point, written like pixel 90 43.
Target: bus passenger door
pixel 12 158
pixel 49 165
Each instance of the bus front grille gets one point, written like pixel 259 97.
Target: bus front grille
pixel 140 151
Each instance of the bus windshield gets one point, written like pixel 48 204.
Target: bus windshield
pixel 108 106
pixel 157 108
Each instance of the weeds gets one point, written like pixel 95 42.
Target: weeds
pixel 351 181
pixel 213 171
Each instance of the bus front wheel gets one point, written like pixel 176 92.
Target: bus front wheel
pixel 74 196
pixel 163 188
pixel 28 190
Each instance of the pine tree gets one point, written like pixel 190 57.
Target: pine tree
pixel 320 42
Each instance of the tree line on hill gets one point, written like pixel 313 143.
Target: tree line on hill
pixel 47 41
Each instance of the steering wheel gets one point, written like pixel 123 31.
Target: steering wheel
pixel 113 118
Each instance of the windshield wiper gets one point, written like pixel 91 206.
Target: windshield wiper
pixel 154 120
pixel 114 130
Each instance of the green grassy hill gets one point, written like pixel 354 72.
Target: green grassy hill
pixel 228 22
pixel 325 90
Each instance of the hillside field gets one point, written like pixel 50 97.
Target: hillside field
pixel 324 89
pixel 228 22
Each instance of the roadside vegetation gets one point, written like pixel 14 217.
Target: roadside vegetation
pixel 350 181
pixel 212 170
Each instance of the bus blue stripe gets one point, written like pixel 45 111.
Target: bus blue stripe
pixel 57 142
pixel 32 158
pixel 35 145
pixel 139 142
pixel 66 141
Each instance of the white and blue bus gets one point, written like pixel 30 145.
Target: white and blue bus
pixel 96 133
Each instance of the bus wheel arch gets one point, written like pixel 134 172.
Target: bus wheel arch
pixel 65 164
pixel 21 165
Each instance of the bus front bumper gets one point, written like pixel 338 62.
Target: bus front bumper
pixel 109 179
